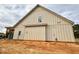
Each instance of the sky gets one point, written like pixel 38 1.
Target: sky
pixel 10 14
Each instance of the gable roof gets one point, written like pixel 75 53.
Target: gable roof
pixel 46 10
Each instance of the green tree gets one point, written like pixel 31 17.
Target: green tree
pixel 76 30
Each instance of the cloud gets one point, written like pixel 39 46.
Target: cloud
pixel 10 14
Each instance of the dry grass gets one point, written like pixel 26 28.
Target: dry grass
pixel 36 47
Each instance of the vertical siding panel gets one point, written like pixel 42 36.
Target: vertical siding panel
pixel 64 39
pixel 60 32
pixel 67 32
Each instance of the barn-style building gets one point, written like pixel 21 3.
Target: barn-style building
pixel 45 25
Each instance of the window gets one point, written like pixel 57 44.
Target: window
pixel 39 19
pixel 19 33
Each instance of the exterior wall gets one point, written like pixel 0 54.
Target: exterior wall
pixel 17 31
pixel 61 32
pixel 57 27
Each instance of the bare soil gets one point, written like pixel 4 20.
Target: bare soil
pixel 37 47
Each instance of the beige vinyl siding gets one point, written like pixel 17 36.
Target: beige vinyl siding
pixel 16 33
pixel 61 32
pixel 57 26
pixel 47 17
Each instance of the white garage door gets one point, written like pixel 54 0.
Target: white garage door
pixel 35 33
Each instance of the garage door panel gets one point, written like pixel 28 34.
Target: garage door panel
pixel 35 33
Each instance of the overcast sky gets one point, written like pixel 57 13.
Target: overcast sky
pixel 11 14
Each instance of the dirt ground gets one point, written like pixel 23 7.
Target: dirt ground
pixel 37 47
